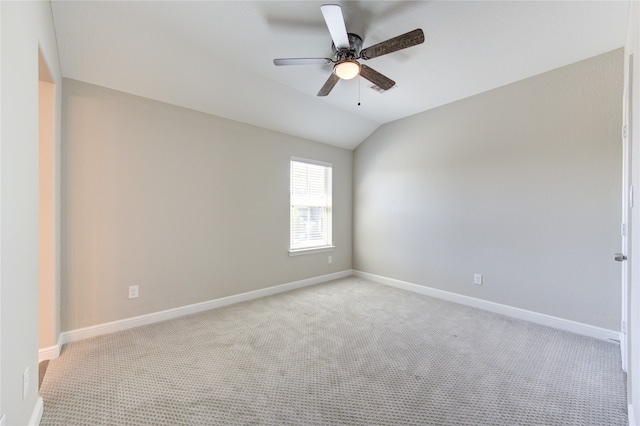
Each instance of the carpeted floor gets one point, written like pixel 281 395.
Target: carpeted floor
pixel 349 352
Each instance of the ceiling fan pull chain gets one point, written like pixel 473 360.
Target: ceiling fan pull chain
pixel 359 84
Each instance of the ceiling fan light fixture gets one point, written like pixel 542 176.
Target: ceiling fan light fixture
pixel 347 69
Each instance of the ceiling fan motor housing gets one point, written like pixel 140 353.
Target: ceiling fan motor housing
pixel 355 45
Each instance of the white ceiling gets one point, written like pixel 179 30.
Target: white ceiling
pixel 216 56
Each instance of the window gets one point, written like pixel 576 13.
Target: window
pixel 310 199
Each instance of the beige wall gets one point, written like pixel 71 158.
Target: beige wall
pixel 521 184
pixel 188 206
pixel 48 308
pixel 25 29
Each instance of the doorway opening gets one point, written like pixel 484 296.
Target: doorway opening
pixel 48 312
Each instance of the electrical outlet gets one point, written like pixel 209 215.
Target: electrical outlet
pixel 330 259
pixel 133 291
pixel 477 279
pixel 25 383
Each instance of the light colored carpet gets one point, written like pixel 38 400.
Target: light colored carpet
pixel 349 352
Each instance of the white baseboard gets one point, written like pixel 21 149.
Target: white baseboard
pixel 631 416
pixel 36 415
pixel 111 327
pixel 535 317
pixel 51 352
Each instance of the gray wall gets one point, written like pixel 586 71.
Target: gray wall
pixel 189 206
pixel 25 28
pixel 521 184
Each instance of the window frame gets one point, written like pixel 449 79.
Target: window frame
pixel 329 206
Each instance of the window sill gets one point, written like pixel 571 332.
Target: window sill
pixel 310 250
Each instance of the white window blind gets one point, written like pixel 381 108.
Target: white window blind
pixel 310 217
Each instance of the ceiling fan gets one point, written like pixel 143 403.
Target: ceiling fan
pixel 347 51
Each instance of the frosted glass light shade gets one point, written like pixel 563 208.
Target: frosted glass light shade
pixel 347 70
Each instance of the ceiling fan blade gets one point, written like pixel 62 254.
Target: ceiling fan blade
pixel 393 44
pixel 335 22
pixel 301 61
pixel 328 85
pixel 376 78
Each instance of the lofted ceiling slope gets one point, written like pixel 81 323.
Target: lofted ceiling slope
pixel 216 57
